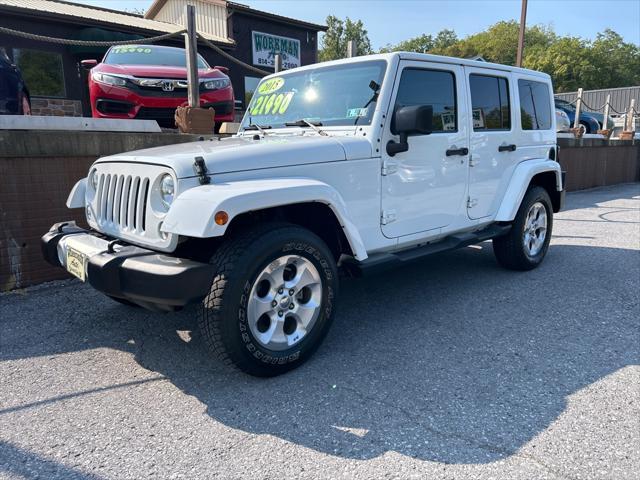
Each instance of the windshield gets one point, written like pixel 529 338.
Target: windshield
pixel 149 55
pixel 338 95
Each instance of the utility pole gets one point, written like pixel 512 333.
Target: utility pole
pixel 523 22
pixel 352 49
pixel 191 44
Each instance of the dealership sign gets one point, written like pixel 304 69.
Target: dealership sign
pixel 265 46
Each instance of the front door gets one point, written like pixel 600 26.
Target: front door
pixel 424 188
pixel 493 145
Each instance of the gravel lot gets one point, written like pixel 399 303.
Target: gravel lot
pixel 448 368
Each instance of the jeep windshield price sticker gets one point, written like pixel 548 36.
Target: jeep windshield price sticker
pixel 269 100
pixel 265 47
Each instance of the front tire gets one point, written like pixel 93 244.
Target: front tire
pixel 271 299
pixel 526 244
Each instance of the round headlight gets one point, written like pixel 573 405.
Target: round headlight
pixel 167 189
pixel 93 180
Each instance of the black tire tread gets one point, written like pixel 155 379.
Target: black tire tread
pixel 508 248
pixel 224 260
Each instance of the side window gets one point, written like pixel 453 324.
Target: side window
pixel 535 110
pixel 490 102
pixel 430 87
pixel 42 71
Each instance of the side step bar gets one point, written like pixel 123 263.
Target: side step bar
pixel 379 262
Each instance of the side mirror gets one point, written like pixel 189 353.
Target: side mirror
pixel 88 64
pixel 222 69
pixel 407 121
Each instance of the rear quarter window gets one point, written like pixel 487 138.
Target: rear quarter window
pixel 535 106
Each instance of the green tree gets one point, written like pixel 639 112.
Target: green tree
pixel 498 43
pixel 424 43
pixel 617 63
pixel 338 34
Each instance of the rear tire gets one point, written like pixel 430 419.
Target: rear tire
pixel 587 128
pixel 526 244
pixel 271 299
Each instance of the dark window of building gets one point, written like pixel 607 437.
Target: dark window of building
pixel 490 102
pixel 42 71
pixel 250 85
pixel 535 108
pixel 430 87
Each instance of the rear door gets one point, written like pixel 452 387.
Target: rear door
pixel 494 152
pixel 424 188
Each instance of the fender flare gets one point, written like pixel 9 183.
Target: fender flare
pixel 519 184
pixel 77 194
pixel 192 212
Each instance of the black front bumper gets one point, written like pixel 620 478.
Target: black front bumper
pixel 142 276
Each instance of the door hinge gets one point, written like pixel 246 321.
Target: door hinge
pixel 388 167
pixel 387 216
pixel 471 202
pixel 472 162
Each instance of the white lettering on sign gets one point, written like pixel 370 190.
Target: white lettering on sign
pixel 265 47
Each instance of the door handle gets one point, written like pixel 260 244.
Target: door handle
pixel 457 151
pixel 507 148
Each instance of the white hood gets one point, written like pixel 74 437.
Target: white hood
pixel 244 153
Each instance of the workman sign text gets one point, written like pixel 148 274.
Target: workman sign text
pixel 265 46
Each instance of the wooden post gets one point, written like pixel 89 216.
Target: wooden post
pixel 352 49
pixel 627 130
pixel 576 121
pixel 605 119
pixel 523 24
pixel 606 112
pixel 191 46
pixel 277 62
pixel 630 120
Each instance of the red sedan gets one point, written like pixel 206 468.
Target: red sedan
pixel 149 82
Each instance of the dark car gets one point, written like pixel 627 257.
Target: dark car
pixel 587 119
pixel 14 95
pixel 150 81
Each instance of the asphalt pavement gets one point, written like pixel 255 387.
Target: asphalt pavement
pixel 450 368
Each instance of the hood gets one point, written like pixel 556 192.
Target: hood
pixel 244 153
pixel 157 71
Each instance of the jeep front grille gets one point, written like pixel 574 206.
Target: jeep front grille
pixel 123 204
pixel 122 201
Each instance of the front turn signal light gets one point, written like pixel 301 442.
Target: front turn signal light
pixel 221 217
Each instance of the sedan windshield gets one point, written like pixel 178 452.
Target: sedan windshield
pixel 149 55
pixel 325 96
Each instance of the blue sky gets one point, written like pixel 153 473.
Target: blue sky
pixel 391 21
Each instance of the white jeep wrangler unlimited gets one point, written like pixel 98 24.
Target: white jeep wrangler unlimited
pixel 350 165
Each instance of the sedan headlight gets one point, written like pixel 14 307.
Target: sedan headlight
pixel 216 84
pixel 167 189
pixel 108 79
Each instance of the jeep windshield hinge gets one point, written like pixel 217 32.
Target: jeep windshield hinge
pixel 388 167
pixel 200 169
pixel 387 216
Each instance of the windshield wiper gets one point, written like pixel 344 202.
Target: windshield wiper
pixel 260 128
pixel 306 123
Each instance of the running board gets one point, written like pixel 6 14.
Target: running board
pixel 382 261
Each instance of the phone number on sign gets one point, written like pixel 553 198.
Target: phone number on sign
pixel 271 63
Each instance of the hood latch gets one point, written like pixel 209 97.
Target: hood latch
pixel 200 169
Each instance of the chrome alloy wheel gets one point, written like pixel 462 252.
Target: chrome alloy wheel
pixel 535 229
pixel 284 302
